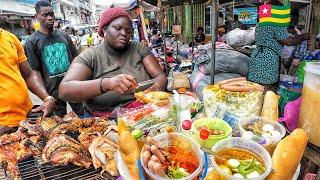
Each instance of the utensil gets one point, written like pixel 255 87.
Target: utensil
pixel 144 85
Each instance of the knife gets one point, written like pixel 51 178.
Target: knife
pixel 144 85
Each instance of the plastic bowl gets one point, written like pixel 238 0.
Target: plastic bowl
pixel 237 142
pixel 182 141
pixel 269 143
pixel 211 123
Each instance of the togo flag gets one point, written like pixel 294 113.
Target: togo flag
pixel 274 15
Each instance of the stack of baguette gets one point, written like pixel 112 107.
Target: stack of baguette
pixel 239 85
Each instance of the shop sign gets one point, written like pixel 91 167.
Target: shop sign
pixel 247 15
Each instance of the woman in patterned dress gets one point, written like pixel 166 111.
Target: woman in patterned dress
pixel 265 59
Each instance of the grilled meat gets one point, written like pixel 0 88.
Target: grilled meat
pixel 13 137
pixel 11 154
pixel 98 127
pixel 86 139
pixel 71 116
pixel 62 150
pixel 103 152
pixel 48 124
pixel 31 127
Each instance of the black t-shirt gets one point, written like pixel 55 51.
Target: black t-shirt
pixel 51 54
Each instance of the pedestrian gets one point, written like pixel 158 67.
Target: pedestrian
pixel 16 77
pixel 236 23
pixel 50 52
pixel 270 38
pixel 221 34
pixel 90 40
pixel 200 37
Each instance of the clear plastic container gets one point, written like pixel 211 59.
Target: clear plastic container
pixel 269 143
pixel 215 123
pixel 182 141
pixel 237 142
pixel 310 103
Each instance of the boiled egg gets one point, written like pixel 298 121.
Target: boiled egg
pixel 232 163
pixel 225 169
pixel 267 128
pixel 275 134
pixel 266 135
pixel 238 175
pixel 247 135
pixel 254 174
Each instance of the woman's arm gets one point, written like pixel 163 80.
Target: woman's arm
pixel 155 72
pixel 292 41
pixel 75 86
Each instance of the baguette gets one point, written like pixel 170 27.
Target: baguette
pixel 288 154
pixel 231 80
pixel 270 107
pixel 129 150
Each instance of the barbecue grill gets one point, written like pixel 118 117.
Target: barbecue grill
pixel 35 168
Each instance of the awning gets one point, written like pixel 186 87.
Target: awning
pixel 175 2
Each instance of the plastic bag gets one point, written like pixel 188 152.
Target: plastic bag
pixel 239 104
pixel 291 114
pixel 151 120
pixel 286 95
pixel 239 37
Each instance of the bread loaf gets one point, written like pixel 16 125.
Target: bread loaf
pixel 270 106
pixel 129 150
pixel 288 154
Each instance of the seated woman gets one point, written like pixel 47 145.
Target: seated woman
pixel 104 76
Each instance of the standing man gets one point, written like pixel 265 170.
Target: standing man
pixel 16 77
pixel 90 40
pixel 50 52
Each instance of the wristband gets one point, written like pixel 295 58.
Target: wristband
pixel 48 98
pixel 101 88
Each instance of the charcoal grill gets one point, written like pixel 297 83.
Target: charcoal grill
pixel 34 168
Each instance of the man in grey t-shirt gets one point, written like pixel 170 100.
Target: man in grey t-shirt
pixel 50 52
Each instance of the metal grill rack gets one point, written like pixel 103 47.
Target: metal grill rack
pixel 34 168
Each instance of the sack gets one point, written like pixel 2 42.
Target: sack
pixel 227 61
pixel 239 37
pixel 181 81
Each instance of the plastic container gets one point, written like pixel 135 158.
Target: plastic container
pixel 269 143
pixel 213 123
pixel 182 141
pixel 237 142
pixel 310 103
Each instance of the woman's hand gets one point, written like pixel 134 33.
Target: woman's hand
pixel 46 107
pixel 122 84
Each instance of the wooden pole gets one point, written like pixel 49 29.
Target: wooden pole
pixel 214 38
pixel 315 20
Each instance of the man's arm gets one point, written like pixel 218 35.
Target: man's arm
pixel 35 84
